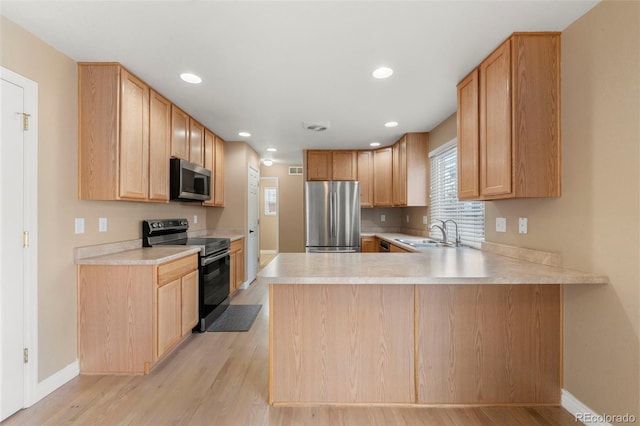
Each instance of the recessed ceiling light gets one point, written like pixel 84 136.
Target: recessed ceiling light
pixel 271 149
pixel 190 78
pixel 267 162
pixel 391 124
pixel 382 72
pixel 374 144
pixel 244 134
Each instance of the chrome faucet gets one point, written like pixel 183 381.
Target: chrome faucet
pixel 442 229
pixel 456 225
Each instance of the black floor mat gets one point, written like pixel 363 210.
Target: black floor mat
pixel 236 318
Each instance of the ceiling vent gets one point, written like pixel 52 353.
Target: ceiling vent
pixel 319 126
pixel 295 170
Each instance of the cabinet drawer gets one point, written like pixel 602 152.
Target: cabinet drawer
pixel 168 272
pixel 237 245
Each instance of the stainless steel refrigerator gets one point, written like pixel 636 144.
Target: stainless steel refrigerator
pixel 332 216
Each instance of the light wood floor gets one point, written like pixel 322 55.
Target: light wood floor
pixel 221 379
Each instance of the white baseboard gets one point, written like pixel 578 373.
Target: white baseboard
pixel 268 251
pixel 580 411
pixel 58 379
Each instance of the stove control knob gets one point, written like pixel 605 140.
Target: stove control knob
pixel 183 223
pixel 160 224
pixel 154 225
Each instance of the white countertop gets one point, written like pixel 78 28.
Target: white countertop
pixel 431 266
pixel 141 256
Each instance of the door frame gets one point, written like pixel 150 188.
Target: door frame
pixel 274 179
pixel 31 225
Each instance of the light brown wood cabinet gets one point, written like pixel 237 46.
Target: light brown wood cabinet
pixel 237 264
pixel 129 316
pixel 382 177
pixel 518 95
pixel 214 161
pixel 113 146
pixel 365 177
pixel 179 133
pixel 411 170
pixel 369 244
pixel 332 165
pixel 196 142
pixel 397 249
pixel 159 146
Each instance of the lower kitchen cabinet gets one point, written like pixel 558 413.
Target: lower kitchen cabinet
pixel 129 316
pixel 368 244
pixel 397 249
pixel 237 264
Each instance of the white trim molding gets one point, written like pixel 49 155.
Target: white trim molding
pixel 268 252
pixel 58 379
pixel 580 411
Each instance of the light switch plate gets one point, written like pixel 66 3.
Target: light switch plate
pixel 425 220
pixel 523 225
pixel 195 218
pixel 79 225
pixel 102 224
pixel 501 224
pixel 382 218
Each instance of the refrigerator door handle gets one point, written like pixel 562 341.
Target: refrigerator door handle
pixel 334 213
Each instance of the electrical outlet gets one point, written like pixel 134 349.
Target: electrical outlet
pixel 79 224
pixel 523 225
pixel 425 220
pixel 382 218
pixel 102 224
pixel 195 218
pixel 407 218
pixel 501 224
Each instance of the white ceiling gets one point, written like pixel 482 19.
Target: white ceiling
pixel 269 66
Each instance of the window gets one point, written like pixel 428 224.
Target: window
pixel 270 200
pixel 469 215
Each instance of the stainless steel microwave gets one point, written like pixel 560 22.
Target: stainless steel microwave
pixel 189 182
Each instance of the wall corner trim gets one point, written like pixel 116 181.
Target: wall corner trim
pixel 57 379
pixel 580 411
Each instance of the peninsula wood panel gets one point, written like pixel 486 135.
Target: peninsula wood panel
pixel 498 344
pixel 341 344
pixel 365 177
pixel 115 316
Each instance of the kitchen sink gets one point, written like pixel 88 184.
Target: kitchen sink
pixel 421 242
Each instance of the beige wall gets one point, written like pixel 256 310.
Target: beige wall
pixel 58 205
pixel 371 221
pixel 268 223
pixel 291 208
pixel 595 224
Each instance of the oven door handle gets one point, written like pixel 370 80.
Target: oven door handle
pixel 207 260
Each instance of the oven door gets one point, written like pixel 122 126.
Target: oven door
pixel 214 288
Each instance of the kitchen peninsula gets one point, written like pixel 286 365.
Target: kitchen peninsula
pixel 445 326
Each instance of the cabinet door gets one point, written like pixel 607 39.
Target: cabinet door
pixel 344 165
pixel 134 137
pixel 159 146
pixel 169 315
pixel 396 249
pixel 468 135
pixel 319 165
pixel 210 163
pixel 399 173
pixel 368 244
pixel 495 123
pixel 233 261
pixel 196 142
pixel 239 268
pixel 218 185
pixel 365 177
pixel 382 181
pixel 189 305
pixel 179 133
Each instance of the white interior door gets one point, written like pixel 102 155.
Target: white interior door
pixel 11 251
pixel 253 243
pixel 18 285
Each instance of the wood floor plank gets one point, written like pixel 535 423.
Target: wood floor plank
pixel 222 379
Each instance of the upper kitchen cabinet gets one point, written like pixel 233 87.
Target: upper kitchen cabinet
pixel 365 177
pixel 159 146
pixel 196 142
pixel 382 177
pixel 518 126
pixel 214 161
pixel 410 174
pixel 179 133
pixel 332 165
pixel 113 146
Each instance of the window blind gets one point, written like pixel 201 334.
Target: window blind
pixel 469 215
